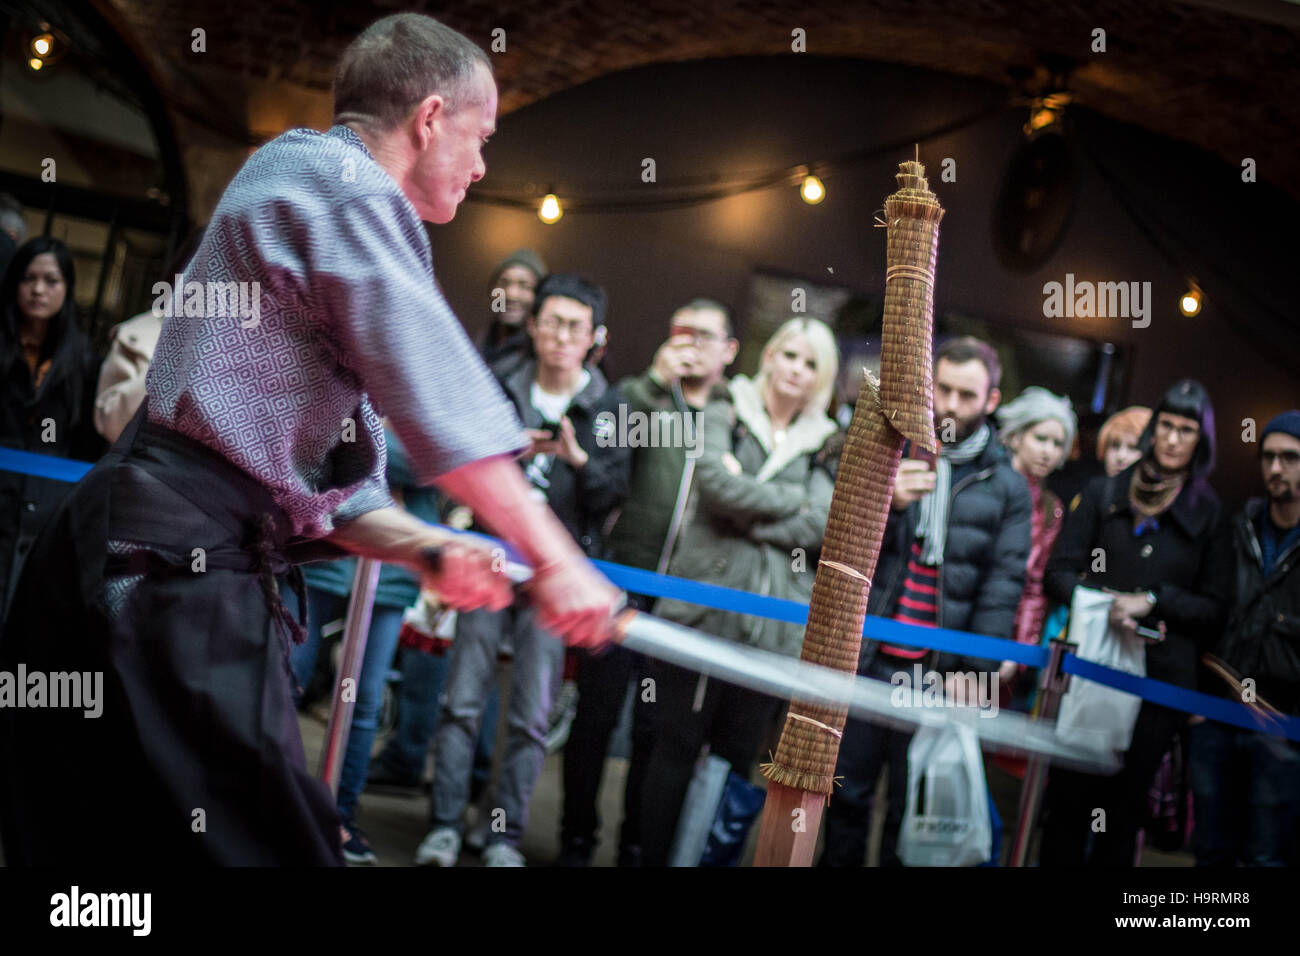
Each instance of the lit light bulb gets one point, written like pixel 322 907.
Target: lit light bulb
pixel 550 210
pixel 35 63
pixel 1041 118
pixel 812 191
pixel 1190 303
pixel 42 45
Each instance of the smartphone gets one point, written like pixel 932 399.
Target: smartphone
pixel 552 427
pixel 1150 634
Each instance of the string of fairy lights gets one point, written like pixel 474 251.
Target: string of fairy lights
pixel 46 46
pixel 1045 113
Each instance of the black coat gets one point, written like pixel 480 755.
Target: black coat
pixel 583 498
pixel 983 571
pixel 504 356
pixel 1185 562
pixel 1262 639
pixel 65 398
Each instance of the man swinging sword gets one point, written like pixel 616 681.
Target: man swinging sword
pixel 160 570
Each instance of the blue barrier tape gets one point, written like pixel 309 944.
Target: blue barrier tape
pixel 42 466
pixel 1179 698
pixel 640 581
pixel 781 609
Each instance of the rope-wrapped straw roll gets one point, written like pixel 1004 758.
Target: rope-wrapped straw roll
pixel 906 377
pixel 887 413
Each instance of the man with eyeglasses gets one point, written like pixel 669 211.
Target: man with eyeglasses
pixel 572 466
pixel 685 371
pixel 1247 783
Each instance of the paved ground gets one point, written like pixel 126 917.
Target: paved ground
pixel 396 824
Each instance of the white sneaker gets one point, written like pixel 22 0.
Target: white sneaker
pixel 502 854
pixel 440 848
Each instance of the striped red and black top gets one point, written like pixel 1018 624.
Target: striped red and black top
pixel 918 604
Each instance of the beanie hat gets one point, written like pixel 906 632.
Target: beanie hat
pixel 1288 423
pixel 520 257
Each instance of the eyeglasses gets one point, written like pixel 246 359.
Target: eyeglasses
pixel 1183 432
pixel 576 329
pixel 1288 458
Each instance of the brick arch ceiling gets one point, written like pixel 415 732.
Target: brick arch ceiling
pixel 1220 74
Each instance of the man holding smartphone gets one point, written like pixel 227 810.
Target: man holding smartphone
pixel 953 555
pixel 582 478
pixel 686 369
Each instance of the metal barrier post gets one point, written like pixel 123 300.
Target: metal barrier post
pixel 1054 683
pixel 364 585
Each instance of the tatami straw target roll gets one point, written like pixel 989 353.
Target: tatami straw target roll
pixel 897 408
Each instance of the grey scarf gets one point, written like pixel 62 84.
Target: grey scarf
pixel 933 527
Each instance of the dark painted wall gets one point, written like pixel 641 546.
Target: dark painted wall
pixel 753 114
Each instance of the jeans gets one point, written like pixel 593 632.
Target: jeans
pixel 419 705
pixel 381 643
pixel 865 749
pixel 535 679
pixel 1247 791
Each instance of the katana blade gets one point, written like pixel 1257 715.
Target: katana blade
pixel 793 679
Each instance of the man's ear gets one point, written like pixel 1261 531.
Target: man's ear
pixel 732 348
pixel 995 398
pixel 427 113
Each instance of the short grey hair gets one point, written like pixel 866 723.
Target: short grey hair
pixel 397 62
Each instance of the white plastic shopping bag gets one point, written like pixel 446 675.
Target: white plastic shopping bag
pixel 946 822
pixel 1091 714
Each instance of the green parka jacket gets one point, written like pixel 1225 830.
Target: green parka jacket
pixel 760 530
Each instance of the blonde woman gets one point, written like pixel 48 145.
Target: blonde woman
pixel 758 512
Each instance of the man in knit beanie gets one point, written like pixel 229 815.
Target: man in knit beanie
pixel 513 288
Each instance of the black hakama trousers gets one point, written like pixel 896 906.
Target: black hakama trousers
pixel 158 572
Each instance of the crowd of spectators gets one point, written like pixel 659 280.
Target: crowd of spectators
pixel 976 541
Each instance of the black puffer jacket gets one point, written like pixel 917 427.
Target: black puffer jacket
pixel 581 498
pixel 983 571
pixel 1185 563
pixel 1262 639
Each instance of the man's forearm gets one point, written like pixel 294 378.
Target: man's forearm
pixel 496 491
pixel 388 534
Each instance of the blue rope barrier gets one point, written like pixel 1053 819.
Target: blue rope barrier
pixel 653 584
pixel 1179 698
pixel 42 466
pixel 780 609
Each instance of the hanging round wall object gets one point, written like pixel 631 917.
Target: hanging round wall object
pixel 1035 202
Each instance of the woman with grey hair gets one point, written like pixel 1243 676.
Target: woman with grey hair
pixel 1039 428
